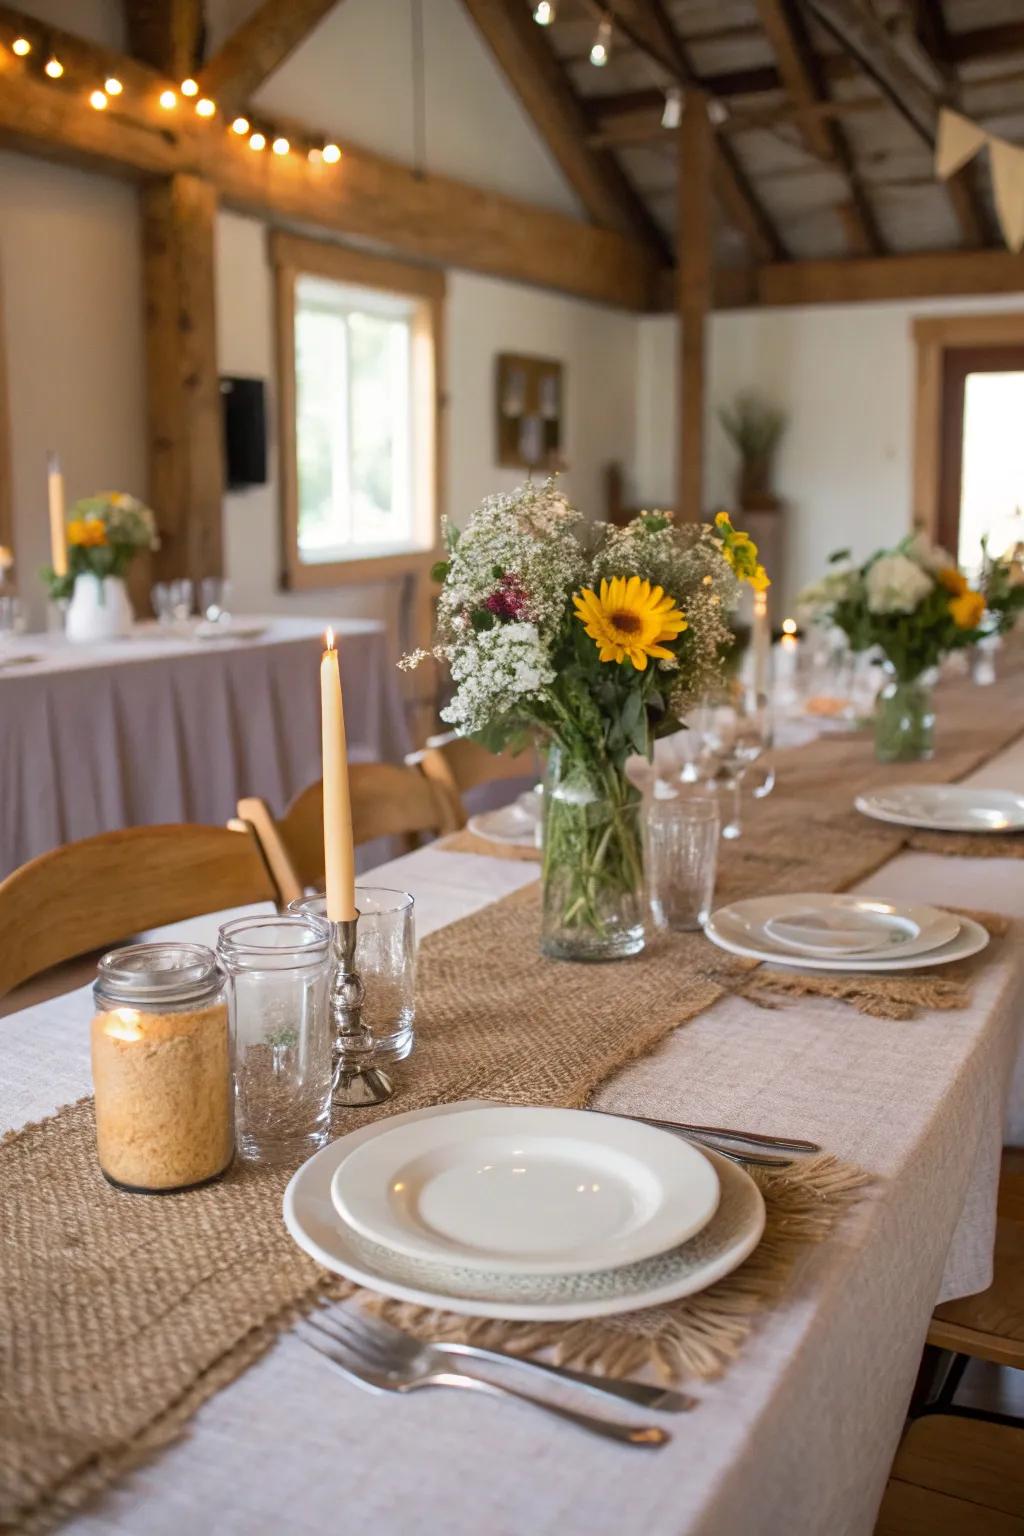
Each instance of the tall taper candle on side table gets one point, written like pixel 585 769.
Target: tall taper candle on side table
pixel 55 495
pixel 357 1082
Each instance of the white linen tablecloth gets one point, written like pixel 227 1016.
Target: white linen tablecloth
pixel 797 1437
pixel 154 728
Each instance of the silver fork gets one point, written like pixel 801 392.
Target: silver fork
pixel 391 1339
pixel 387 1370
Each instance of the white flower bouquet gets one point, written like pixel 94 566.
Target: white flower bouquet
pixel 591 640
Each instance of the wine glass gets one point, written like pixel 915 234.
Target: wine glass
pixel 734 732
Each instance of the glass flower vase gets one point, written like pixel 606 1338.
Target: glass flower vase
pixel 904 718
pixel 592 874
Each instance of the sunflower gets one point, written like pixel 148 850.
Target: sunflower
pixel 953 580
pixel 629 620
pixel 88 532
pixel 966 610
pixel 740 551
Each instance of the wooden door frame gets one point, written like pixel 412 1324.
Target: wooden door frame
pixel 935 336
pixel 957 363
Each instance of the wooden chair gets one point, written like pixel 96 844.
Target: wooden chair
pixel 387 801
pixel 456 765
pixel 990 1325
pixel 96 893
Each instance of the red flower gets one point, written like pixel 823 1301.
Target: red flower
pixel 509 601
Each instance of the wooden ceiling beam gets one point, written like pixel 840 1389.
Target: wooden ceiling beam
pixel 258 48
pixel 805 84
pixel 694 299
pixel 166 34
pixel 985 42
pixel 433 218
pixel 932 274
pixel 964 187
pixel 648 24
pixel 539 80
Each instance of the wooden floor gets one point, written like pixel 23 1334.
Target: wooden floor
pixel 962 1477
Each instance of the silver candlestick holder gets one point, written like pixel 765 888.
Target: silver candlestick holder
pixel 357 1082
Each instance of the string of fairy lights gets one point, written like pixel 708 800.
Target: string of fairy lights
pixel 188 94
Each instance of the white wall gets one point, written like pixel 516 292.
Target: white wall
pixel 71 301
pixel 845 376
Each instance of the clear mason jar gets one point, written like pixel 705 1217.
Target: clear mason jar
pixel 278 969
pixel 386 962
pixel 161 1068
pixel 592 870
pixel 904 718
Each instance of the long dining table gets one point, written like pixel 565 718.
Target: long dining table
pixel 799 1432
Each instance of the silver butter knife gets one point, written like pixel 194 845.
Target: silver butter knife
pixel 758 1140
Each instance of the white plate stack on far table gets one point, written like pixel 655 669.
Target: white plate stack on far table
pixel 540 1215
pixel 946 808
pixel 821 931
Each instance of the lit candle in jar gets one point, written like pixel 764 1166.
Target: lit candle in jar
pixel 786 653
pixel 339 856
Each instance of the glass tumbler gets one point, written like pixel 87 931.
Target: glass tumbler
pixel 680 856
pixel 278 969
pixel 386 961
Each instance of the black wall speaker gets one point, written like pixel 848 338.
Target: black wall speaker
pixel 245 431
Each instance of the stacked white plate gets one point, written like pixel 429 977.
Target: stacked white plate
pixel 540 1215
pixel 825 932
pixel 946 808
pixel 516 825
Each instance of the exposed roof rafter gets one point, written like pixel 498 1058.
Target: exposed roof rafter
pixel 258 47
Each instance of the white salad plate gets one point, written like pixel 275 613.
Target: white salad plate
pixel 729 1237
pixel 517 825
pixel 511 1190
pixel 840 930
pixel 946 808
pixel 903 928
pixel 207 631
pixel 970 938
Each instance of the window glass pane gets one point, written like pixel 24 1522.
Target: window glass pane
pixel 354 418
pixel 992 487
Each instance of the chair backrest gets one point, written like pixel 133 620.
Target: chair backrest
pixel 387 801
pixel 456 765
pixel 100 891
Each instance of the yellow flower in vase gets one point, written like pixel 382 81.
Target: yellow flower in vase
pixel 739 549
pixel 629 620
pixel 88 532
pixel 953 580
pixel 967 609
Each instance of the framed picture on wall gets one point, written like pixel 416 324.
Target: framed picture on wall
pixel 529 412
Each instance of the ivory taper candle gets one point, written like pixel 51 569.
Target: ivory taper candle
pixel 55 492
pixel 762 643
pixel 339 858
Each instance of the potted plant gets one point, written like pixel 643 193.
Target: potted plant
pixel 913 605
pixel 104 534
pixel 754 428
pixel 592 640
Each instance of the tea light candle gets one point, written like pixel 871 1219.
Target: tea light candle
pixel 161 1068
pixel 339 856
pixel 786 653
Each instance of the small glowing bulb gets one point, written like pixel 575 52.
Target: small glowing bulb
pixel 113 86
pixel 789 626
pixel 205 107
pixel 98 100
pixel 315 156
pixel 240 125
pixel 54 68
pixel 257 141
pixel 544 13
pixel 332 154
pixel 189 87
pixel 602 43
pixel 21 46
pixel 280 146
pixel 168 99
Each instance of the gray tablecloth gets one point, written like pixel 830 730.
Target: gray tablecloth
pixel 153 729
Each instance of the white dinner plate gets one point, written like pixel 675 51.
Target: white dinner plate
pixel 207 631
pixel 747 923
pixel 946 808
pixel 511 1190
pixel 970 939
pixel 516 825
pixel 18 659
pixel 731 1234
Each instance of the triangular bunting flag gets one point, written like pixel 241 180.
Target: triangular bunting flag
pixel 1007 162
pixel 957 141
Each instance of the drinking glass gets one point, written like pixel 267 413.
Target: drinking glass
pixel 278 970
pixel 680 857
pixel 181 599
pixel 386 962
pixel 12 619
pixel 214 596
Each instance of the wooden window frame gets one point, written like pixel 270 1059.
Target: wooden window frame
pixel 292 257
pixel 936 337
